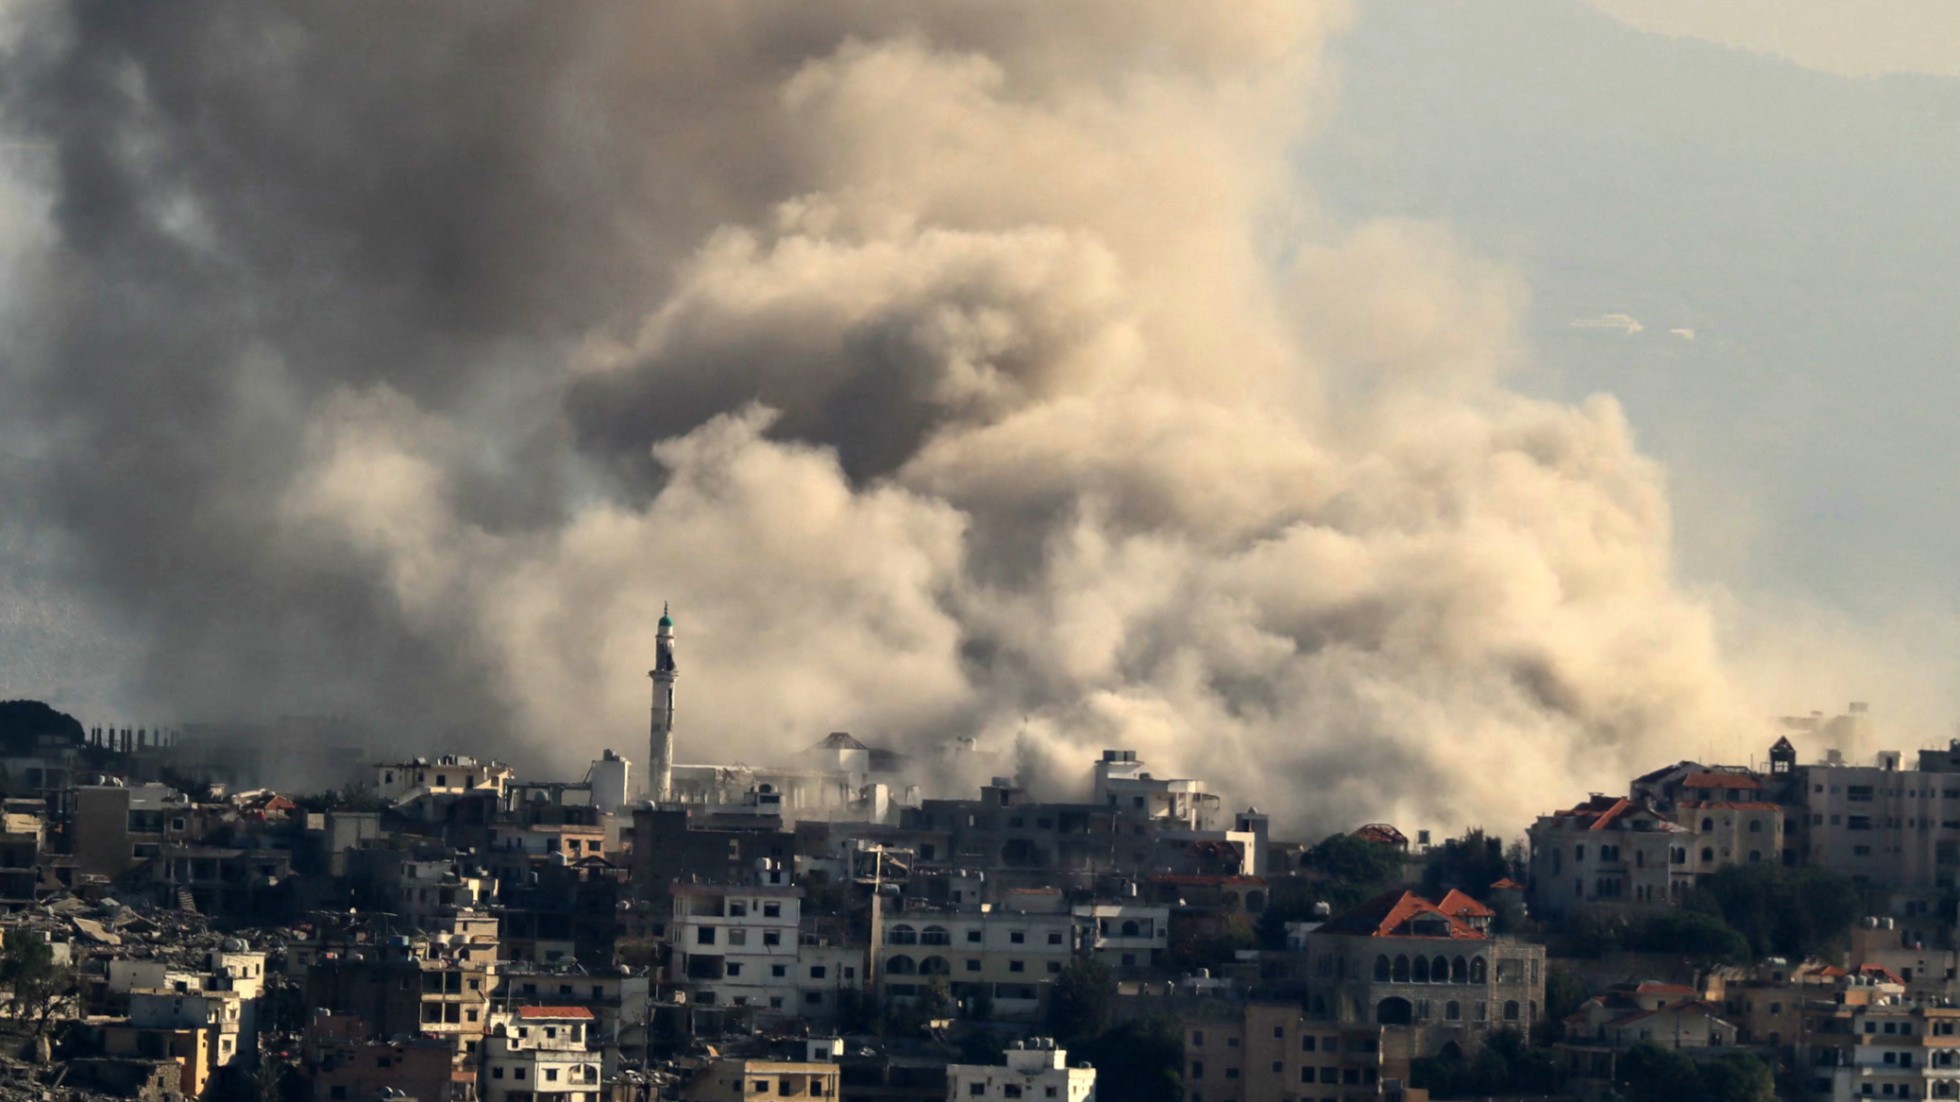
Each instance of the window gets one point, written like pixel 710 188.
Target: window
pixel 1017 966
pixel 972 965
pixel 1198 1037
pixel 772 910
pixel 772 937
pixel 738 908
pixel 973 937
pixel 1018 937
pixel 737 936
pixel 1054 939
pixel 734 969
pixel 816 971
pixel 704 936
pixel 1306 1043
pixel 1197 1069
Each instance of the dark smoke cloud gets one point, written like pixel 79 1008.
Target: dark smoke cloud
pixel 993 381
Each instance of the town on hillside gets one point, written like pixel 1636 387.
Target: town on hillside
pixel 439 928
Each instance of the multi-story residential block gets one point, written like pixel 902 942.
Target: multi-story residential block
pixel 618 1000
pixel 1126 934
pixel 1881 1048
pixel 422 789
pixel 1031 1069
pixel 1270 1052
pixel 736 945
pixel 1007 957
pixel 539 1054
pixel 341 1063
pixel 1399 959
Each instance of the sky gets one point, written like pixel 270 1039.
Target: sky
pixel 1420 399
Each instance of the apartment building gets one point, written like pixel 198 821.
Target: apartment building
pixel 736 945
pixel 1034 1069
pixel 1273 1053
pixel 1006 956
pixel 1885 1048
pixel 539 1054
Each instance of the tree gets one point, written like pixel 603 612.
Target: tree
pixel 1780 911
pixel 1689 933
pixel 1137 1061
pixel 1355 861
pixel 1080 1002
pixel 38 984
pixel 1654 1074
pixel 1470 864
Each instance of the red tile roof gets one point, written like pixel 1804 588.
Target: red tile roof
pixel 1458 904
pixel 1651 988
pixel 553 1012
pixel 1390 915
pixel 1507 885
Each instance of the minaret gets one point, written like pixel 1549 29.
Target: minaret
pixel 660 750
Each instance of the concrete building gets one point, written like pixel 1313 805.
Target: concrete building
pixel 741 1079
pixel 539 1054
pixel 1399 959
pixel 423 789
pixel 117 826
pixel 1270 1052
pixel 1031 1069
pixel 1126 935
pixel 1885 1048
pixel 1123 783
pixel 736 945
pixel 1008 956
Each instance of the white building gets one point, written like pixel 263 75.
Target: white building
pixel 737 945
pixel 1123 783
pixel 1127 935
pixel 423 787
pixel 1033 1069
pixel 539 1054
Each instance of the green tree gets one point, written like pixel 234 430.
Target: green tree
pixel 38 984
pixel 1081 1000
pixel 1470 864
pixel 1689 933
pixel 1789 912
pixel 1137 1061
pixel 1356 861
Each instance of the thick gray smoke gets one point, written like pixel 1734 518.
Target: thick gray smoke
pixel 953 368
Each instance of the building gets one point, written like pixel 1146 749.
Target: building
pixel 740 1079
pixel 1007 958
pixel 1270 1052
pixel 539 1054
pixel 1031 1069
pixel 1127 935
pixel 342 1064
pixel 1399 959
pixel 736 945
pixel 1885 1048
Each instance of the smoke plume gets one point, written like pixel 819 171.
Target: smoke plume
pixel 954 369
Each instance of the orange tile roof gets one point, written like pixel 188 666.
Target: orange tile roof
pixel 1507 885
pixel 1458 904
pixel 1390 913
pixel 553 1012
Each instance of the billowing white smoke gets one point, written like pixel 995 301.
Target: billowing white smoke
pixel 1143 463
pixel 999 380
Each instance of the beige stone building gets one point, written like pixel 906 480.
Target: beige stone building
pixel 1274 1053
pixel 1400 959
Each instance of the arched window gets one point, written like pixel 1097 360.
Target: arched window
pixel 935 966
pixel 901 935
pixel 1452 1011
pixel 902 965
pixel 1755 826
pixel 1130 928
pixel 934 935
pixel 1421 970
pixel 1708 854
pixel 1401 969
pixel 1459 970
pixel 1478 970
pixel 1511 1010
pixel 1381 968
pixel 1707 825
pixel 1439 970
